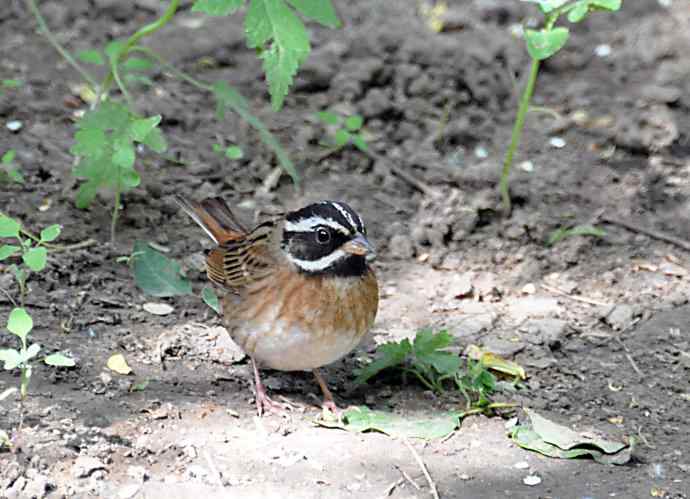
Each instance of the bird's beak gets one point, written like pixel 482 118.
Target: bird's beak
pixel 360 246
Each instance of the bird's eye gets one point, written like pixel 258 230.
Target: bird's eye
pixel 323 236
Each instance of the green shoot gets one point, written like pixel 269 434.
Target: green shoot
pixel 427 358
pixel 8 84
pixel 233 152
pixel 542 44
pixel 9 172
pixel 578 230
pixel 347 130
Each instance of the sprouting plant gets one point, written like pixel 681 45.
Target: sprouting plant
pixel 577 230
pixel 233 151
pixel 542 44
pixel 427 358
pixel 347 130
pixel 106 136
pixel 9 83
pixel 9 172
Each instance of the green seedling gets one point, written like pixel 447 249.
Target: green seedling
pixel 348 130
pixel 233 152
pixel 542 44
pixel 106 136
pixel 578 230
pixel 32 249
pixel 427 358
pixel 9 172
pixel 8 84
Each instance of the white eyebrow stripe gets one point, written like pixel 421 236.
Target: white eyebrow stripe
pixel 321 264
pixel 345 214
pixel 309 224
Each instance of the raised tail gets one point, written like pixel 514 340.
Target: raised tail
pixel 214 216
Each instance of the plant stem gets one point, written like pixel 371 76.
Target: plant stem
pixel 43 28
pixel 116 214
pixel 517 134
pixel 147 30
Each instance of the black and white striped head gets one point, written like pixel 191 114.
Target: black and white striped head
pixel 327 238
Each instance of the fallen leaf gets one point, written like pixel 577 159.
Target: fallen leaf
pixel 496 363
pixel 118 364
pixel 158 308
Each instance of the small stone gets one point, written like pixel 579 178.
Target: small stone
pixel 620 316
pixel 531 480
pixel 557 142
pixel 603 50
pixel 522 465
pixel 14 125
pixel 529 289
pixel 158 308
pixel 526 166
pixel 84 466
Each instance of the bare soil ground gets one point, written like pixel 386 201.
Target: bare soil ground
pixel 601 325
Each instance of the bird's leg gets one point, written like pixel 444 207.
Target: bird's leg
pixel 328 402
pixel 263 401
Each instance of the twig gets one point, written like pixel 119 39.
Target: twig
pixel 629 357
pixel 432 485
pixel 681 243
pixel 408 478
pixel 399 172
pixel 582 299
pixel 389 490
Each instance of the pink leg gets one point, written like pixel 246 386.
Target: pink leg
pixel 263 401
pixel 328 402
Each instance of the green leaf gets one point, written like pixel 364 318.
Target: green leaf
pixel 229 97
pixel 361 419
pixel 341 137
pixel 36 258
pixel 545 43
pixel 584 7
pixel 137 64
pixel 234 152
pixel 9 227
pixel 8 157
pixel 59 360
pixel 89 142
pixel 139 129
pixel 31 352
pixel 20 323
pixel 547 6
pixel 391 355
pixel 578 12
pixel 139 387
pixel 91 57
pixel 328 117
pixel 50 233
pixel 114 49
pixel 321 11
pixel 85 195
pixel 273 23
pixel 11 83
pixel 427 342
pixel 445 363
pixel 359 142
pixel 11 358
pixel 155 140
pixel 354 122
pixel 132 78
pixel 157 275
pixel 579 230
pixel 217 7
pixel 554 440
pixel 210 299
pixel 123 155
pixel 7 250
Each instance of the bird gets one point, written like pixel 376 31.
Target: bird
pixel 298 289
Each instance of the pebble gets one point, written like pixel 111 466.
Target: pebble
pixel 557 142
pixel 620 316
pixel 14 125
pixel 84 466
pixel 531 480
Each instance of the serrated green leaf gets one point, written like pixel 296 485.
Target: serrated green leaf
pixel 354 122
pixel 234 152
pixel 427 342
pixel 10 358
pixel 91 57
pixel 137 64
pixel 155 140
pixel 9 227
pixel 50 233
pixel 89 142
pixel 391 355
pixel 445 363
pixel 139 129
pixel 210 299
pixel 328 117
pixel 217 7
pixel 545 43
pixel 7 250
pixel 36 258
pixel 8 157
pixel 359 142
pixel 59 360
pixel 273 21
pixel 321 11
pixel 85 194
pixel 229 97
pixel 20 323
pixel 156 274
pixel 123 155
pixel 341 138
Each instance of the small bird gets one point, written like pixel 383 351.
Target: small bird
pixel 299 291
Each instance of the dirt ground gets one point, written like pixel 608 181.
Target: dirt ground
pixel 600 325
